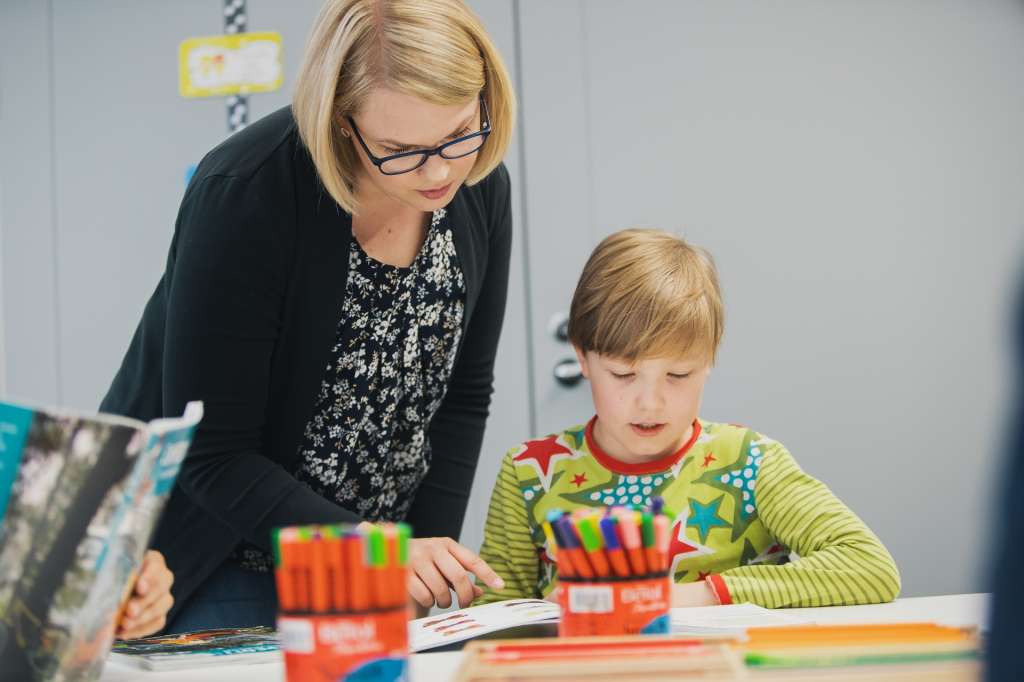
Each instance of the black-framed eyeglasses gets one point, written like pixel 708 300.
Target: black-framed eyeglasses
pixel 396 164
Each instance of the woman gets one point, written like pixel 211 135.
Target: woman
pixel 334 294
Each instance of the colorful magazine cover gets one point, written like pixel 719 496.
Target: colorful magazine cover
pixel 199 648
pixel 79 498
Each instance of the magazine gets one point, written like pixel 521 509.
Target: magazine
pixel 457 626
pixel 79 497
pixel 228 646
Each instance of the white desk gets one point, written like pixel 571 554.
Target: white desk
pixel 955 609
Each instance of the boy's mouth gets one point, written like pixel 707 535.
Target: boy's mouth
pixel 646 428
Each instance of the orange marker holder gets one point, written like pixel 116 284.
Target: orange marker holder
pixel 342 609
pixel 614 606
pixel 332 647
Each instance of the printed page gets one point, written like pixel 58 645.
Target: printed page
pixel 456 626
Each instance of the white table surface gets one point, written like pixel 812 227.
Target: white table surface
pixel 955 609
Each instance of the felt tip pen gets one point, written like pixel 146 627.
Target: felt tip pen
pixel 593 546
pixel 616 556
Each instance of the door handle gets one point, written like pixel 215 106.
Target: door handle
pixel 568 372
pixel 558 327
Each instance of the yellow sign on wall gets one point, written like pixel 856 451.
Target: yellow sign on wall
pixel 236 64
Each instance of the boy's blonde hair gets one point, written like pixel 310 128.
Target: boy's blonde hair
pixel 647 294
pixel 436 50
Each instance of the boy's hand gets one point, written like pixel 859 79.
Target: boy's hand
pixel 146 610
pixel 694 594
pixel 440 565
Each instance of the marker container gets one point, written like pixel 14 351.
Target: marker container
pixel 613 570
pixel 616 606
pixel 342 609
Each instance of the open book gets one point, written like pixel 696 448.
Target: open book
pixel 705 621
pixel 79 497
pixel 227 646
pixel 457 626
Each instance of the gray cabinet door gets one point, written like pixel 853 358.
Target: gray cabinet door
pixel 124 139
pixel 855 169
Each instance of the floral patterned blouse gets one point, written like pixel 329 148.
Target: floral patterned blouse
pixel 366 447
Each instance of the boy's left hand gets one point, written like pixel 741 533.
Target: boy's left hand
pixel 694 594
pixel 146 610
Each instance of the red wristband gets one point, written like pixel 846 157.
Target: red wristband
pixel 719 588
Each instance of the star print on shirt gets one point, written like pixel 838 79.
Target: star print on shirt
pixel 681 547
pixel 579 479
pixel 708 459
pixel 738 479
pixel 541 455
pixel 705 517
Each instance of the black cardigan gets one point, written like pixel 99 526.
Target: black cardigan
pixel 244 318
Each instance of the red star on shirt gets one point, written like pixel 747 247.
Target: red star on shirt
pixel 708 459
pixel 680 547
pixel 579 479
pixel 541 453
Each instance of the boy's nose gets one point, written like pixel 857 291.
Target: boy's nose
pixel 650 398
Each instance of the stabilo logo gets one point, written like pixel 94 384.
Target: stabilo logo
pixel 340 631
pixel 642 593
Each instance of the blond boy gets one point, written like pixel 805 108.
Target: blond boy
pixel 646 321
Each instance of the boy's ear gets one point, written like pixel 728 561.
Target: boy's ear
pixel 582 357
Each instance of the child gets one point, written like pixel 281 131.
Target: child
pixel 646 321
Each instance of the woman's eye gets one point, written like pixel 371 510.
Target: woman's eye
pixel 391 152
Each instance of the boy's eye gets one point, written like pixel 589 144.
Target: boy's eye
pixel 622 375
pixel 674 375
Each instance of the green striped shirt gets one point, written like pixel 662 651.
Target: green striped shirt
pixel 744 515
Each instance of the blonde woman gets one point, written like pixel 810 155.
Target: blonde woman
pixel 334 294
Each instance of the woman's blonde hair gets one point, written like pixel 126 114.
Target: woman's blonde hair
pixel 647 294
pixel 436 50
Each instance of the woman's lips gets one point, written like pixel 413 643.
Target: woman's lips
pixel 436 193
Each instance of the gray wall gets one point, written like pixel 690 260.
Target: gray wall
pixel 856 170
pixel 854 167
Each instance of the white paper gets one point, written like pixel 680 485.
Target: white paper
pixel 732 619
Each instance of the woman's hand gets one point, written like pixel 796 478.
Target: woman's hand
pixel 146 610
pixel 440 565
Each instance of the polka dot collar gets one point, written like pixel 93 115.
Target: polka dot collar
pixel 654 466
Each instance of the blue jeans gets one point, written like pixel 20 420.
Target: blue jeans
pixel 230 598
